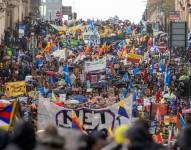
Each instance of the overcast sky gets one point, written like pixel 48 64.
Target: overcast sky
pixel 103 9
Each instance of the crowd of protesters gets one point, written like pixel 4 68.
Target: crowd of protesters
pixel 135 137
pixel 32 55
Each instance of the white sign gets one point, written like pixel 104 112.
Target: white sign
pixel 21 33
pixel 63 97
pixel 91 119
pixel 91 36
pixel 99 64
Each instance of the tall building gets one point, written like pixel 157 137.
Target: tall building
pixel 49 8
pixel 2 19
pixel 12 12
pixel 33 7
pixel 184 7
pixel 153 10
pixel 159 11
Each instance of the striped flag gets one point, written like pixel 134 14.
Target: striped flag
pixel 75 122
pixel 6 116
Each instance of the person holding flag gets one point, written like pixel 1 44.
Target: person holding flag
pixel 167 76
pixel 66 75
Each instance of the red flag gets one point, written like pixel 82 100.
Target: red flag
pixel 158 138
pixel 158 96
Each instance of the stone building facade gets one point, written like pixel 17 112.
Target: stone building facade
pixel 14 11
pixel 159 11
pixel 184 7
pixel 49 8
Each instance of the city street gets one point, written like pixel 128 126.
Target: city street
pixel 74 78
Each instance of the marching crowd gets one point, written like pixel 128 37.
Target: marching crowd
pixel 135 137
pixel 142 71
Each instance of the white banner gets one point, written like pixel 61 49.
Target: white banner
pixel 91 119
pixel 99 64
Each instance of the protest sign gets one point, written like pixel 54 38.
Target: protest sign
pixel 91 36
pixel 62 97
pixel 170 119
pixel 13 89
pixel 91 119
pixel 99 64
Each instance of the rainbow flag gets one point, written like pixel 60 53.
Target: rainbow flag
pixel 6 116
pixel 75 122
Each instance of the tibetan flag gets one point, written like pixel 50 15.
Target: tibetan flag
pixel 122 111
pixel 6 116
pixel 182 121
pixel 75 122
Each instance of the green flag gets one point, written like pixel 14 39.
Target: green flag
pixel 9 52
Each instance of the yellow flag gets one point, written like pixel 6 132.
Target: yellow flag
pixel 122 103
pixel 110 132
pixel 53 98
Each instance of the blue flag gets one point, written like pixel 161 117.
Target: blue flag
pixel 91 25
pixel 121 44
pixel 125 77
pixel 152 68
pixel 42 91
pixel 161 67
pixel 129 30
pixel 134 96
pixel 130 85
pixel 134 104
pixel 66 74
pixel 136 71
pixel 125 93
pixel 167 76
pixel 112 60
pixel 182 121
